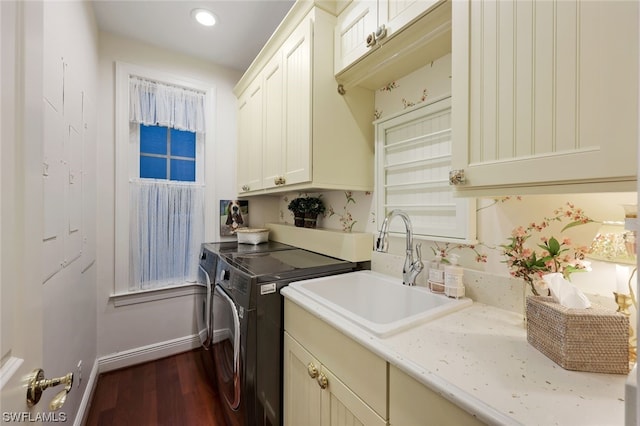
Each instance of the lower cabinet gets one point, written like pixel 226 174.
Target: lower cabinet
pixel 412 403
pixel 328 378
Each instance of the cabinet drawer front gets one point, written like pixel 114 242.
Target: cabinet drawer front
pixel 410 403
pixel 359 369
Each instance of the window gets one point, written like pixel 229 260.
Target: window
pixel 167 153
pixel 160 180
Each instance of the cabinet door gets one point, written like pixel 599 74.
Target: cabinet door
pixel 313 395
pixel 272 163
pixel 302 395
pixel 250 139
pixel 395 14
pixel 341 407
pixel 297 104
pixel 353 26
pixel 541 95
pixel 413 159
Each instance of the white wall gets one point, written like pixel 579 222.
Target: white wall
pixel 135 326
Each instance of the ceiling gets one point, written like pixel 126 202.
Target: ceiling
pixel 242 29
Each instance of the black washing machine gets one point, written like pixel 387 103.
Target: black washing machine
pixel 247 327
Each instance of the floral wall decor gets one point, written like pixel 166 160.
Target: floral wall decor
pixel 432 81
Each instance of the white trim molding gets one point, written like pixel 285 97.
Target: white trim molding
pixel 144 296
pixel 147 353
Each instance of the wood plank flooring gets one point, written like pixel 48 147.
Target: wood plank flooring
pixel 177 390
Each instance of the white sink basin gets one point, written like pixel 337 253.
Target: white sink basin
pixel 380 304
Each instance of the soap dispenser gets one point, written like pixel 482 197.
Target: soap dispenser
pixel 436 275
pixel 453 284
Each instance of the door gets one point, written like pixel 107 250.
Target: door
pixel 297 108
pixel 354 25
pixel 272 155
pixel 226 348
pixel 22 208
pixel 203 307
pixel 302 395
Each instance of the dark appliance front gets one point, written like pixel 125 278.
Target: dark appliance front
pixel 247 300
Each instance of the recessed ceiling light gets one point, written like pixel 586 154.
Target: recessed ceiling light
pixel 204 17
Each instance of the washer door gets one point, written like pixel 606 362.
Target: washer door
pixel 203 308
pixel 226 347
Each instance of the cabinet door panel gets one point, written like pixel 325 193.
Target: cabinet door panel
pixel 250 139
pixel 357 21
pixel 546 92
pixel 273 122
pixel 298 92
pixel 302 395
pixel 341 407
pixel 395 14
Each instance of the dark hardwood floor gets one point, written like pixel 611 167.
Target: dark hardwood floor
pixel 177 390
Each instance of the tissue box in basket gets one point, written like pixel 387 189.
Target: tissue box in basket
pixel 594 339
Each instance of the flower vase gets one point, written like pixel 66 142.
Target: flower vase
pixel 298 221
pixel 310 220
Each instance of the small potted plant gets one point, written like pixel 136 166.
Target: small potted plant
pixel 314 207
pixel 298 207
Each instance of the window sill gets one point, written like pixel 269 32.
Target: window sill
pixel 144 296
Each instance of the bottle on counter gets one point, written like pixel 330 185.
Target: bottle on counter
pixel 436 275
pixel 453 283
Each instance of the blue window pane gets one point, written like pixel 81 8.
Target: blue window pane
pixel 153 139
pixel 183 143
pixel 153 168
pixel 183 170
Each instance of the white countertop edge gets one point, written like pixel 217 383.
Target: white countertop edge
pixel 446 389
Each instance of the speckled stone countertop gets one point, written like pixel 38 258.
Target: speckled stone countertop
pixel 479 359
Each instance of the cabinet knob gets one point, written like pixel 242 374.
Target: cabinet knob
pixel 456 177
pixel 371 39
pixel 323 382
pixel 381 32
pixel 312 370
pixel 245 187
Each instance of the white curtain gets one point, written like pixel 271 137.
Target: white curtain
pixel 155 103
pixel 167 229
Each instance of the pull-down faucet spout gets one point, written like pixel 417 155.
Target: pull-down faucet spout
pixel 411 268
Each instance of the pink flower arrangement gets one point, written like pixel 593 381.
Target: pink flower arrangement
pixel 555 255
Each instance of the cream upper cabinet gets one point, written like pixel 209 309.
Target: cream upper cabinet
pixel 365 24
pixel 250 139
pixel 545 96
pixel 313 137
pixel 324 387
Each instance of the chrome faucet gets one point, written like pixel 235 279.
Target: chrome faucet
pixel 411 267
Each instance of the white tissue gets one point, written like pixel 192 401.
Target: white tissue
pixel 565 293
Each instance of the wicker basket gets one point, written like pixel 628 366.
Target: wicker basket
pixel 594 339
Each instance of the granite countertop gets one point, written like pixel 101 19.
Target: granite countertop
pixel 479 359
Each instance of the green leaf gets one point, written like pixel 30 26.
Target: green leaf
pixel 575 223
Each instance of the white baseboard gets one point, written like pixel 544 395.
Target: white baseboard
pixel 128 358
pixel 87 397
pixel 147 353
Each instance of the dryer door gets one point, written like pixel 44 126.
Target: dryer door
pixel 226 347
pixel 203 307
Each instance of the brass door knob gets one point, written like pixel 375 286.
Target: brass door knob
pixel 322 380
pixel 312 370
pixel 37 384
